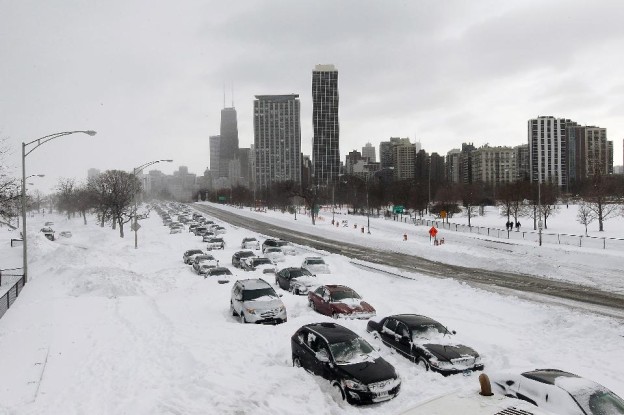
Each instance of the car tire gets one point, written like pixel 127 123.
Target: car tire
pixel 423 364
pixel 296 361
pixel 296 291
pixel 312 306
pixel 242 317
pixel 334 316
pixel 232 310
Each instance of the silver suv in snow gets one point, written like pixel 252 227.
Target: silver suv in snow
pixel 255 301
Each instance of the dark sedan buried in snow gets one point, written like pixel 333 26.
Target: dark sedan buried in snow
pixel 296 280
pixel 352 366
pixel 425 342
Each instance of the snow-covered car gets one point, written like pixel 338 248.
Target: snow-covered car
pixel 49 224
pixel 255 301
pixel 239 255
pixel 200 230
pixel 426 342
pixel 296 280
pixel 208 235
pixel 48 232
pixel 65 234
pixel 275 254
pixel 316 265
pixel 472 402
pixel 190 255
pixel 339 301
pixel 176 229
pixel 204 259
pixel 286 246
pixel 264 265
pixel 219 230
pixel 215 243
pixel 222 274
pixel 559 392
pixel 250 243
pixel 352 366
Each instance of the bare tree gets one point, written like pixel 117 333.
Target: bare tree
pixel 122 187
pixel 9 190
pixel 602 197
pixel 66 194
pixel 471 196
pixel 585 215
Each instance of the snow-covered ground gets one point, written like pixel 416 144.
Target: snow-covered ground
pixel 103 328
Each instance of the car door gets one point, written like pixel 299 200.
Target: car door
pixel 388 332
pixel 403 339
pixel 325 302
pixel 316 298
pixel 317 344
pixel 284 279
pixel 304 351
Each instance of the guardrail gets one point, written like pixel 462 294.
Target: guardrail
pixel 532 236
pixel 13 291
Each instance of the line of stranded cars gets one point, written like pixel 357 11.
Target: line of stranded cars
pixel 356 370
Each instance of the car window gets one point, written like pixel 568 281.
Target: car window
pixel 342 295
pixel 315 261
pixel 258 293
pixel 356 350
pixel 605 402
pixel 390 325
pixel 402 330
pixel 299 272
pixel 319 291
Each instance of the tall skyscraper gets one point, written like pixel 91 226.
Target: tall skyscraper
pixel 229 140
pixel 548 150
pixel 215 146
pixel 385 152
pixel 277 139
pixel 326 140
pixel 403 159
pixel 368 152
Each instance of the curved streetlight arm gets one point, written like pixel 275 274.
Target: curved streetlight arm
pixel 141 167
pixel 41 141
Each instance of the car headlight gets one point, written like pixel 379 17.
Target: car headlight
pixel 440 365
pixel 355 385
pixel 250 310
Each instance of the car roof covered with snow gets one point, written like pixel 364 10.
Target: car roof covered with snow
pixel 332 332
pixel 254 284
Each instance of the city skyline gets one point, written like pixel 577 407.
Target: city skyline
pixel 438 73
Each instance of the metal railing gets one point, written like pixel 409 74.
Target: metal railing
pixel 601 242
pixel 11 294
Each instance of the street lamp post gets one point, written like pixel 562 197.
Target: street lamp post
pixel 135 224
pixel 38 142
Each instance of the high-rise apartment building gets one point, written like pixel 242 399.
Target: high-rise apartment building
pixel 326 140
pixel 229 140
pixel 548 150
pixel 277 139
pixel 452 165
pixel 215 146
pixel 403 159
pixel 522 162
pixel 385 152
pixel 368 152
pixel 494 165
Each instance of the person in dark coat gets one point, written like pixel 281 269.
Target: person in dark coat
pixel 518 226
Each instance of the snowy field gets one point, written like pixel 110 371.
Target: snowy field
pixel 102 328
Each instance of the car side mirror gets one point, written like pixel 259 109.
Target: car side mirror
pixel 454 332
pixel 280 294
pixel 322 356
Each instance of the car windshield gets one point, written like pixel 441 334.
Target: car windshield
pixel 270 250
pixel 315 261
pixel 428 331
pixel 221 271
pixel 260 261
pixel 200 258
pixel 258 293
pixel 356 350
pixel 246 254
pixel 605 402
pixel 281 243
pixel 195 252
pixel 344 295
pixel 299 272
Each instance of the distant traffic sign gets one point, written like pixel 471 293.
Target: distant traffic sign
pixel 433 232
pixel 398 209
pixel 443 214
pixel 135 227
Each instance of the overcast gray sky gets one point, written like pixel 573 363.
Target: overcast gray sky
pixel 148 76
